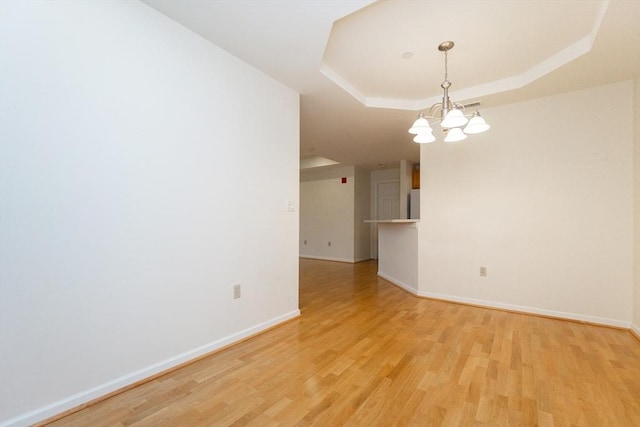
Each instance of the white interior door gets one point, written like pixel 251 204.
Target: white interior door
pixel 388 200
pixel 386 206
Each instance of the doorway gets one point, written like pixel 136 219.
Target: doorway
pixel 386 205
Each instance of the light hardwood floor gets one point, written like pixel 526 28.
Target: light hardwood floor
pixel 366 353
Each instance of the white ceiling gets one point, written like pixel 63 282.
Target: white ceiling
pixel 342 55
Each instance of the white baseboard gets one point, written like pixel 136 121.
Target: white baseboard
pixel 83 397
pixel 399 283
pixel 530 310
pixel 516 308
pixel 323 258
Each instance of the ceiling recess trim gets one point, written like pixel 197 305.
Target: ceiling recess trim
pixel 561 58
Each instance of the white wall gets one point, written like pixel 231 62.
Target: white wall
pixel 544 201
pixel 398 254
pixel 384 175
pixel 133 197
pixel 327 212
pixel 362 212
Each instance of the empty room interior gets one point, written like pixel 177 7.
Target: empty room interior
pixel 281 212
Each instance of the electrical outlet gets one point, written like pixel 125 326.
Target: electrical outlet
pixel 329 244
pixel 236 291
pixel 483 271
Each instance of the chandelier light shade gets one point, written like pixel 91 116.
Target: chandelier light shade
pixel 450 115
pixel 476 124
pixel 454 118
pixel 424 138
pixel 421 125
pixel 454 135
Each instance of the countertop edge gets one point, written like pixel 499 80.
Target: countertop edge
pixel 391 221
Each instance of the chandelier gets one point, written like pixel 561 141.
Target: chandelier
pixel 451 115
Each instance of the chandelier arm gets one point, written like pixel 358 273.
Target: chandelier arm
pixel 433 110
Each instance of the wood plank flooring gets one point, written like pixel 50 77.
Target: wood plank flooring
pixel 366 353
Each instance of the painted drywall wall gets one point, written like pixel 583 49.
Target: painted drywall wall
pixel 544 201
pixel 131 202
pixel 398 250
pixel 379 175
pixel 362 205
pixel 327 212
pixel 636 203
